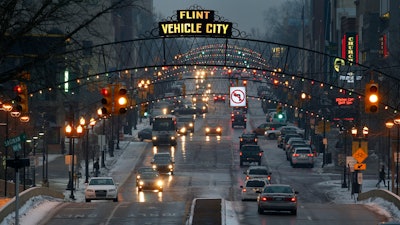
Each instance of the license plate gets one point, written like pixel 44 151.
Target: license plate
pixel 278 199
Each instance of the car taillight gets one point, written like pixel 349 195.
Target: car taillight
pixel 266 199
pixel 244 190
pixel 240 153
pixel 292 199
pixel 310 155
pixel 295 155
pixel 260 153
pixel 255 140
pixel 272 128
pixel 247 177
pixel 241 139
pixel 269 178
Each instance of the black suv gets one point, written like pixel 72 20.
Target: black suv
pixel 239 120
pixel 250 153
pixel 248 138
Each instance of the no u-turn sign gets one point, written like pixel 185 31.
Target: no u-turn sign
pixel 237 96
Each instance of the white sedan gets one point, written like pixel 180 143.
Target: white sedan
pixel 252 188
pixel 101 188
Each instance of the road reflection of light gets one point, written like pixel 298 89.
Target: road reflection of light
pixel 207 138
pixel 183 148
pixel 141 196
pixel 218 137
pixel 155 150
pixel 159 194
pixel 173 152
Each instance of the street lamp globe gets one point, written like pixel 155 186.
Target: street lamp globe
pixel 68 129
pixel 354 131
pixel 389 124
pixel 397 121
pixel 82 121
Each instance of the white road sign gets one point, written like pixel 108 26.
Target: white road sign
pixel 237 96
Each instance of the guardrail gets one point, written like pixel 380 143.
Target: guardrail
pixel 24 196
pixel 380 193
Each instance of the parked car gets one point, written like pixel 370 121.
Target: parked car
pixel 101 188
pixel 262 128
pixel 258 172
pixel 302 156
pixel 248 138
pixel 294 145
pixel 150 181
pixel 213 128
pixel 250 154
pixel 145 134
pixel 273 134
pixel 252 187
pixel 277 197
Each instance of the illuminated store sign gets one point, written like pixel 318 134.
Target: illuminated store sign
pixel 195 22
pixel 350 48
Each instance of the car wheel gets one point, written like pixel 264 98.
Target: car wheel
pixel 141 139
pixel 259 163
pixel 87 200
pixel 294 212
pixel 311 165
pixel 260 210
pixel 115 199
pixel 241 163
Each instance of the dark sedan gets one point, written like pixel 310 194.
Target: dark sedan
pixel 146 133
pixel 277 197
pixel 248 138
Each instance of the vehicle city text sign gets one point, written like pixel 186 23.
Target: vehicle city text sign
pixel 195 22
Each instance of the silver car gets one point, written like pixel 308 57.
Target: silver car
pixel 277 197
pixel 252 188
pixel 302 156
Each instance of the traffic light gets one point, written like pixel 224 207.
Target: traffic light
pixel 279 111
pixel 144 109
pixel 371 97
pixel 121 100
pixel 107 100
pixel 22 98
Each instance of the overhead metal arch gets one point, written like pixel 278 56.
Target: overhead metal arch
pixel 162 57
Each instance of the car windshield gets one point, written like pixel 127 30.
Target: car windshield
pixel 258 171
pixel 161 155
pixel 248 135
pixel 149 175
pixel 145 169
pixel 185 120
pixel 162 161
pixel 251 148
pixel 278 189
pixel 101 182
pixel 303 151
pixel 255 183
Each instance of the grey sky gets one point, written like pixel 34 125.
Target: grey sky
pixel 247 14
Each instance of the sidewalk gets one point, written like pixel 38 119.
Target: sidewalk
pixel 58 172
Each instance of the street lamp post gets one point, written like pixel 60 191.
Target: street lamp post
pixel 397 122
pixel 34 161
pixel 44 162
pixel 344 184
pixel 82 122
pixel 72 133
pixel 389 124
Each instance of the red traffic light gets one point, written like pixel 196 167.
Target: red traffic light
pixel 18 89
pixel 105 91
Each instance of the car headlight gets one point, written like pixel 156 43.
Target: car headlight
pixel 190 124
pixel 218 129
pixel 207 129
pixel 138 177
pixel 173 138
pixel 141 183
pixel 90 190
pixel 154 166
pixel 183 129
pixel 154 138
pixel 170 166
pixel 112 190
pixel 159 183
